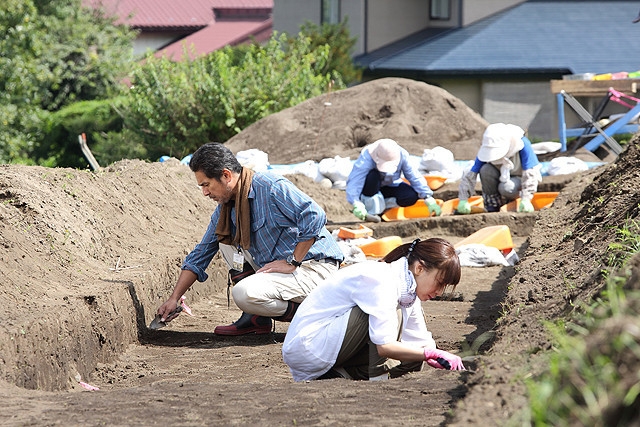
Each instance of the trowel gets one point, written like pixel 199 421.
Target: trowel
pixel 157 323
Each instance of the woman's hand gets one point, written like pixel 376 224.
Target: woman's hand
pixel 432 355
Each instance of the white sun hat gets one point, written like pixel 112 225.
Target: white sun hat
pixel 386 153
pixel 497 139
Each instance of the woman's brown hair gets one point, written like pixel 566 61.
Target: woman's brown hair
pixel 433 253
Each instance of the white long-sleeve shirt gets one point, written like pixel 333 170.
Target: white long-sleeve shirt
pixel 316 333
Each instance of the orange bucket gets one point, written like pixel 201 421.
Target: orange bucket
pixel 477 205
pixel 418 210
pixel 540 200
pixel 355 233
pixel 498 236
pixel 381 247
pixel 435 181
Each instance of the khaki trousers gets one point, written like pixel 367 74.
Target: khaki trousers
pixel 359 356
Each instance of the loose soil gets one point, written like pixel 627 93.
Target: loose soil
pixel 87 257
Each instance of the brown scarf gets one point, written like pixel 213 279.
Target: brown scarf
pixel 243 214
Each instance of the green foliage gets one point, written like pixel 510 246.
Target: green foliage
pixel 626 244
pixel 593 376
pixel 174 107
pixel 340 43
pixel 51 55
pixel 59 143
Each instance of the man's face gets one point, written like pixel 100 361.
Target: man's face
pixel 220 191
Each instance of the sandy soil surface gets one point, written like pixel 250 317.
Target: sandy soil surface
pixel 87 257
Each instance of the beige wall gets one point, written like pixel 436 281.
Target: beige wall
pixel 354 10
pixel 528 104
pixel 289 15
pixel 475 10
pixel 390 21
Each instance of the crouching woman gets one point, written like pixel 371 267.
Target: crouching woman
pixel 366 321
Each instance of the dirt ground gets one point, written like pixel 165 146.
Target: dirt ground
pixel 87 257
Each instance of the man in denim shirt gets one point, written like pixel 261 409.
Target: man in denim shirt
pixel 263 220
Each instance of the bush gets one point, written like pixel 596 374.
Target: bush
pixel 174 107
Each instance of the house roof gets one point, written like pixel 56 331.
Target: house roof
pixel 218 35
pixel 210 24
pixel 535 37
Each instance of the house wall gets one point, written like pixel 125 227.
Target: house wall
pixel 374 23
pixel 289 15
pixel 475 10
pixel 528 104
pixel 152 41
pixel 389 21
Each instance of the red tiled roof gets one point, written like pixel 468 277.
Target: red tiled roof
pixel 218 35
pixel 234 22
pixel 165 14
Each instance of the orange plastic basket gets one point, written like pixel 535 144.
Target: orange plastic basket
pixel 477 205
pixel 540 200
pixel 381 247
pixel 418 210
pixel 498 236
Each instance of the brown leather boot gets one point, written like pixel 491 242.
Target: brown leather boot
pixel 289 313
pixel 246 324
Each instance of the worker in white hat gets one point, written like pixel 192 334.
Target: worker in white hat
pixel 375 182
pixel 508 169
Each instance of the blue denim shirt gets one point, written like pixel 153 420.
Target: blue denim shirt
pixel 281 216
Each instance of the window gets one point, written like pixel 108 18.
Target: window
pixel 331 11
pixel 440 9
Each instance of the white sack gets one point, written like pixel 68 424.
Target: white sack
pixel 254 159
pixel 566 165
pixel 479 255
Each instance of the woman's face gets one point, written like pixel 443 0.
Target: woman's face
pixel 428 285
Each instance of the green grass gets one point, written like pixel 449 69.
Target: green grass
pixel 593 375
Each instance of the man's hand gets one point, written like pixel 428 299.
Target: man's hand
pixel 433 206
pixel 279 266
pixel 432 356
pixel 525 206
pixel 359 210
pixel 167 311
pixel 464 207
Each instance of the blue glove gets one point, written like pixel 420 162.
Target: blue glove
pixel 525 206
pixel 433 206
pixel 359 210
pixel 464 207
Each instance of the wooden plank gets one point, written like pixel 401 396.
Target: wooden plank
pixel 595 87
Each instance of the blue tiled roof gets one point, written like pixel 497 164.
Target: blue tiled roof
pixel 534 37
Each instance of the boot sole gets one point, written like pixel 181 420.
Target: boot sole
pixel 247 331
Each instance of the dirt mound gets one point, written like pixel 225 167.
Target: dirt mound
pixel 417 115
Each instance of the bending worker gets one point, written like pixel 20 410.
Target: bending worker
pixel 508 168
pixel 375 183
pixel 263 222
pixel 367 323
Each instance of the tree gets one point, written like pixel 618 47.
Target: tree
pixel 53 53
pixel 340 43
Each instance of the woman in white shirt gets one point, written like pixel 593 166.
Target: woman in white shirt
pixel 366 321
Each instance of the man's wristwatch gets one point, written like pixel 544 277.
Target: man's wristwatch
pixel 292 261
